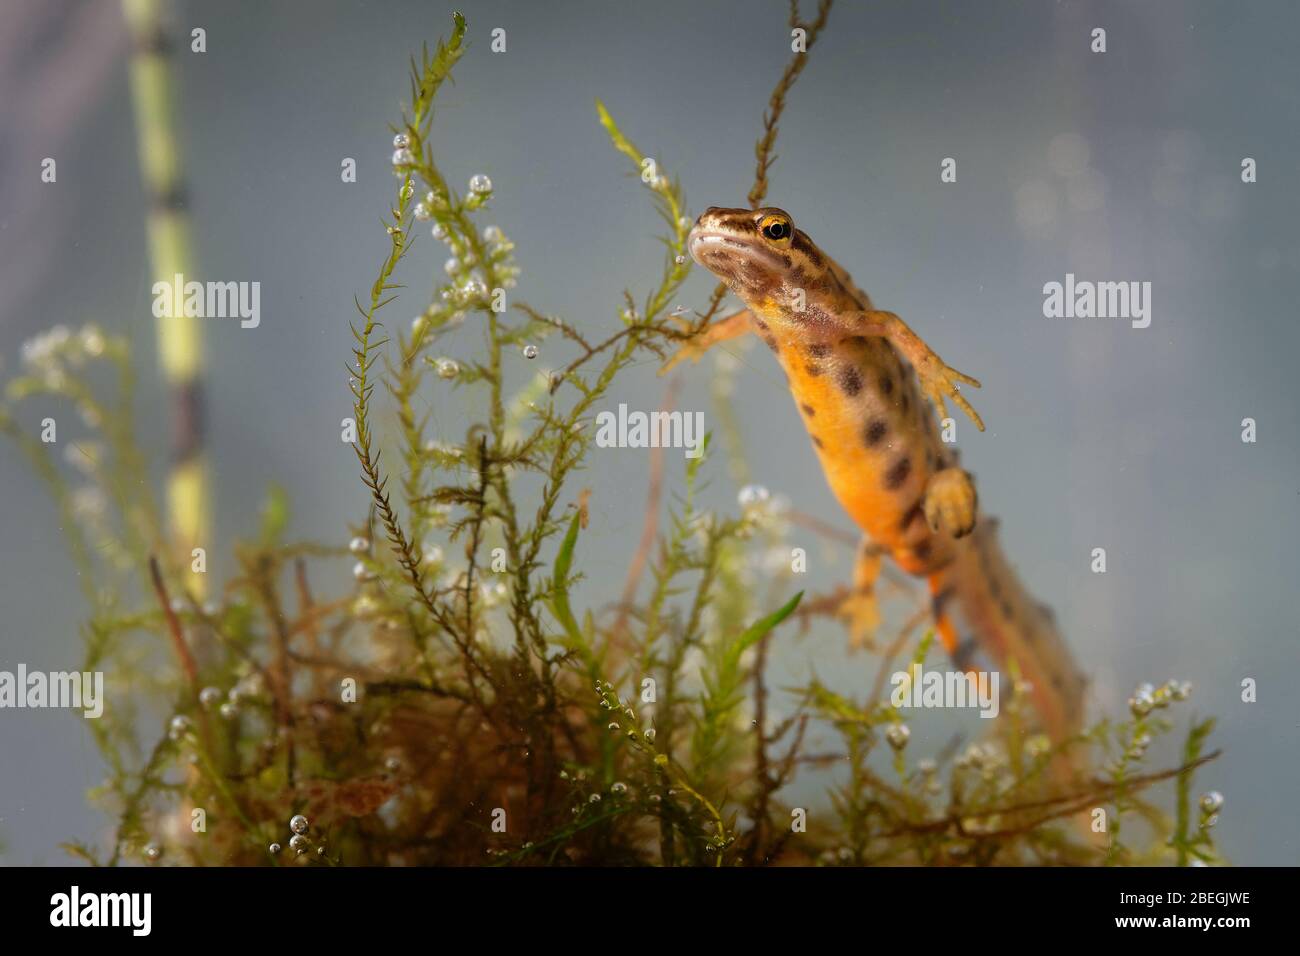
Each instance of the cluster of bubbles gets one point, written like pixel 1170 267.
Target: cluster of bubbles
pixel 1147 698
pixel 466 290
pixel 986 757
pixel 493 593
pixel 403 157
pixel 179 728
pixel 617 706
pixel 753 499
pixel 49 355
pixel 60 343
pixel 299 842
pixel 762 510
pixel 829 857
pixel 928 768
pixel 246 689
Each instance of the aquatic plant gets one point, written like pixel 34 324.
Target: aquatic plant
pixel 461 704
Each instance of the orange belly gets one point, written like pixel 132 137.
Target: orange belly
pixel 876 441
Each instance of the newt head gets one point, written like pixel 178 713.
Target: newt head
pixel 772 266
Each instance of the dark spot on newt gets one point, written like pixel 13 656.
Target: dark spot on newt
pixel 910 515
pixel 850 380
pixel 875 431
pixel 963 656
pixel 898 473
pixel 887 384
pixel 817 441
pixel 808 410
pixel 770 341
pixel 922 551
pixel 819 349
pixel 813 369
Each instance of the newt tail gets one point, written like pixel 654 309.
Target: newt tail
pixel 981 595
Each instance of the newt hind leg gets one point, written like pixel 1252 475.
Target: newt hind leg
pixel 951 502
pixel 861 610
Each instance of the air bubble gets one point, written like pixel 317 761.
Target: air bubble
pixel 1140 704
pixel 530 351
pixel 898 735
pixel 480 185
pixel 298 823
pixel 447 368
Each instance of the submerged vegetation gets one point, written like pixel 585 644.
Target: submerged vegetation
pixel 460 705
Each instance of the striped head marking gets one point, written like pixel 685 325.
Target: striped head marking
pixel 771 265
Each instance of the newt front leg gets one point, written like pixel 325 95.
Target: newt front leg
pixel 731 327
pixel 937 379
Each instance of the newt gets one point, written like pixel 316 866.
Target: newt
pixel 864 384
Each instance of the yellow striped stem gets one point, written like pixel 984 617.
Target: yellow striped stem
pixel 180 341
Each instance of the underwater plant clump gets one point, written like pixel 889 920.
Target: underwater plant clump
pixel 456 706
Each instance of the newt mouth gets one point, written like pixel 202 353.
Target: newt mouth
pixel 703 242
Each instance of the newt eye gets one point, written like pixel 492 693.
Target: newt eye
pixel 775 228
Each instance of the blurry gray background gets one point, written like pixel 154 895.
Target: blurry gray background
pixel 1117 166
